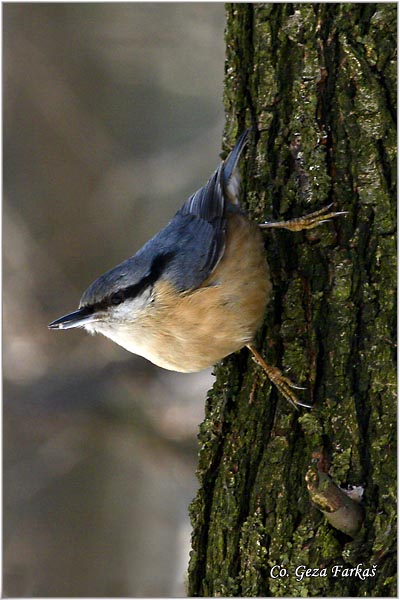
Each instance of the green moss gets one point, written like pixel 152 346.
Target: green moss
pixel 311 426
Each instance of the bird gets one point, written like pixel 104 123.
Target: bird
pixel 197 291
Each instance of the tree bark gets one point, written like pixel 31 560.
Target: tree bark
pixel 318 81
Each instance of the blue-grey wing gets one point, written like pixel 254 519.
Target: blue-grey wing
pixel 201 223
pixel 195 238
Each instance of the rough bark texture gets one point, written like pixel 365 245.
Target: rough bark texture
pixel 319 82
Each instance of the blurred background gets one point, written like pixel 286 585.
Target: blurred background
pixel 112 117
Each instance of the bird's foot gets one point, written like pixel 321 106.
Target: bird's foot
pixel 307 221
pixel 282 383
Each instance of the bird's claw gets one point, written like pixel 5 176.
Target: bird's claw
pixel 310 221
pixel 283 384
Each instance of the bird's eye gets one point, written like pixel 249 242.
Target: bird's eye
pixel 117 297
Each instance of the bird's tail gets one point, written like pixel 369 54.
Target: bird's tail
pixel 230 174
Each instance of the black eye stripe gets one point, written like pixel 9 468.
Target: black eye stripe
pixel 118 297
pixel 157 267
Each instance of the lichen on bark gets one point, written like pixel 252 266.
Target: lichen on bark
pixel 318 81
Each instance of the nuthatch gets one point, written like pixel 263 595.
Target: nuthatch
pixel 196 291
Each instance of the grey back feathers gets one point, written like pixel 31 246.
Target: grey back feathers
pixel 184 253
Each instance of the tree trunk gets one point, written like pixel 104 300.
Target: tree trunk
pixel 319 83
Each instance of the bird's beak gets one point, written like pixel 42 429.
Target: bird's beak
pixel 79 318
